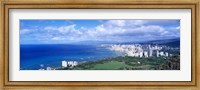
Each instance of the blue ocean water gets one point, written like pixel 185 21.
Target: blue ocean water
pixel 34 57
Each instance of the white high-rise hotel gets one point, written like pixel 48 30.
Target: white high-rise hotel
pixel 64 63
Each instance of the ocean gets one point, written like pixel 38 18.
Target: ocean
pixel 34 57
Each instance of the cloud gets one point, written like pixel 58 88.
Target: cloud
pixel 25 31
pixel 68 29
pixel 57 38
pixel 139 30
pixel 178 27
pixel 109 31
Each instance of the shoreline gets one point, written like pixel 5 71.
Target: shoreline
pixel 130 50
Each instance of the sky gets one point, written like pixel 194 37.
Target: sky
pixel 91 31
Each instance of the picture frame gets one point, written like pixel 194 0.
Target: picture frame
pixel 193 84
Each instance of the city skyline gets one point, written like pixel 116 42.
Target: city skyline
pixel 81 31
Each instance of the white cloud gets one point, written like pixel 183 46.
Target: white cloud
pixel 178 27
pixel 67 29
pixel 111 30
pixel 57 38
pixel 137 29
pixel 25 31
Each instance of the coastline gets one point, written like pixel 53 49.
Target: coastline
pixel 35 56
pixel 110 52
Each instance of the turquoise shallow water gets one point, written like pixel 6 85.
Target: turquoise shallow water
pixel 34 57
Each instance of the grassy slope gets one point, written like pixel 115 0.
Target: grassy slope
pixel 130 63
pixel 114 65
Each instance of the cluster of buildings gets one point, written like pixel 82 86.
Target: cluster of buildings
pixel 64 64
pixel 69 63
pixel 138 50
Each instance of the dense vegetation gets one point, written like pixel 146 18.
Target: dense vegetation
pixel 130 63
pixel 172 64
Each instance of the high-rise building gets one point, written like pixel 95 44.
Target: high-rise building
pixel 157 53
pixel 141 54
pixel 136 54
pixel 48 68
pixel 166 54
pixel 161 53
pixel 150 53
pixel 64 63
pixel 156 47
pixel 145 54
pixel 75 63
pixel 130 54
pixel 72 63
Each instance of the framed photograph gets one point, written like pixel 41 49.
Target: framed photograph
pixel 99 44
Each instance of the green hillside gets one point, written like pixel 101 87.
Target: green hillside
pixel 130 63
